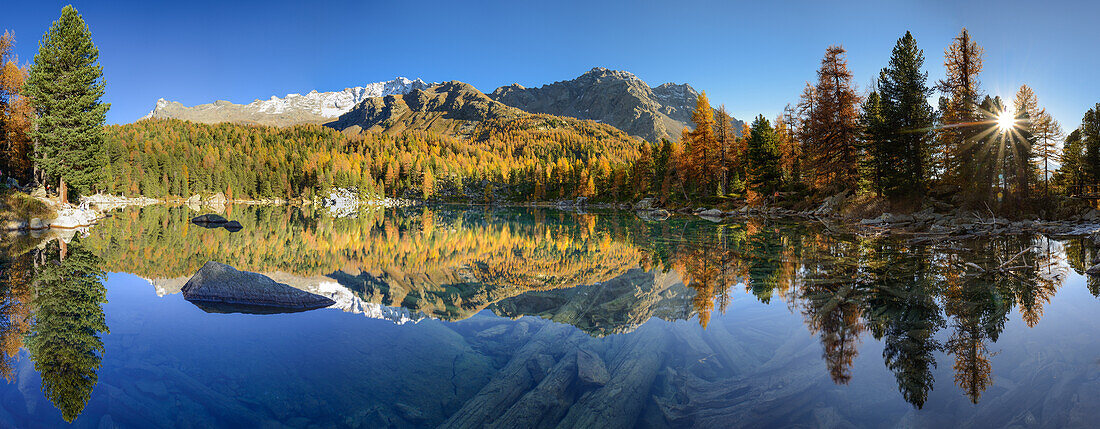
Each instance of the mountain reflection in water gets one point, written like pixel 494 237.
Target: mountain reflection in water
pixel 597 275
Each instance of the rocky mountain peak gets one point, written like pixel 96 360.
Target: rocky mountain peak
pixel 615 97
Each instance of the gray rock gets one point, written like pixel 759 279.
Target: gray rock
pixel 208 218
pixel 591 369
pixel 654 215
pixel 711 213
pixel 72 218
pixel 221 288
pixel 37 224
pixel 644 204
pixel 1094 271
pixel 233 226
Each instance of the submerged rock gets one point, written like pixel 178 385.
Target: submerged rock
pixel 221 288
pixel 591 369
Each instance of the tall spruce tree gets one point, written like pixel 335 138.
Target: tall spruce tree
pixel 907 119
pixel 65 85
pixel 763 158
pixel 878 164
pixel 1070 175
pixel 1090 137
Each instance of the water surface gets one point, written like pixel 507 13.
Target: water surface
pixel 541 318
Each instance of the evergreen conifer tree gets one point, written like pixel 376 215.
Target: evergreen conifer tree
pixel 65 85
pixel 907 118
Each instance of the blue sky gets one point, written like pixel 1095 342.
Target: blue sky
pixel 752 56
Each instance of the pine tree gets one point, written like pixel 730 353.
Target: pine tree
pixel 763 157
pixel 1045 130
pixel 15 145
pixel 724 136
pixel 1090 138
pixel 963 61
pixel 1070 175
pixel 907 119
pixel 641 175
pixel 1018 148
pixel 878 164
pixel 790 153
pixel 699 163
pixel 428 184
pixel 834 124
pixel 65 85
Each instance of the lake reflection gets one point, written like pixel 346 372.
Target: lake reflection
pixel 516 318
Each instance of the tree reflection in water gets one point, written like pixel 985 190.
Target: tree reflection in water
pixel 920 299
pixel 900 292
pixel 52 302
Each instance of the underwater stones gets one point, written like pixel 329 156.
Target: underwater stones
pixel 591 369
pixel 220 288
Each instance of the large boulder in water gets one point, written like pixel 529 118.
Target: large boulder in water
pixel 208 219
pixel 220 288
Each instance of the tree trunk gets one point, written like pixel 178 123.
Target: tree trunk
pixel 63 190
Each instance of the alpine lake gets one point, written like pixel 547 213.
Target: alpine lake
pixel 517 317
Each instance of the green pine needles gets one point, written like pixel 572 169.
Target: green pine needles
pixel 65 85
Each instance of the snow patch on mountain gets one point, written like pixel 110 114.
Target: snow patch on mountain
pixel 320 104
pixel 349 302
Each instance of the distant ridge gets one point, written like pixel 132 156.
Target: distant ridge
pixel 614 97
pixel 452 108
pixel 314 107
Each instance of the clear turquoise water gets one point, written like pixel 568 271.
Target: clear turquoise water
pixel 564 289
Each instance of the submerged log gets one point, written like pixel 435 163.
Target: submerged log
pixel 220 288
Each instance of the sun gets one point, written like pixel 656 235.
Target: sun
pixel 1006 121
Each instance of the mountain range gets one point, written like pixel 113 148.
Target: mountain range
pixel 612 97
pixel 314 107
pixel 452 108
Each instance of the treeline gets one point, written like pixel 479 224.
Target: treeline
pixel 531 155
pixel 973 149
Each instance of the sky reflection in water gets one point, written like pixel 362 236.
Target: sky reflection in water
pixel 462 318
